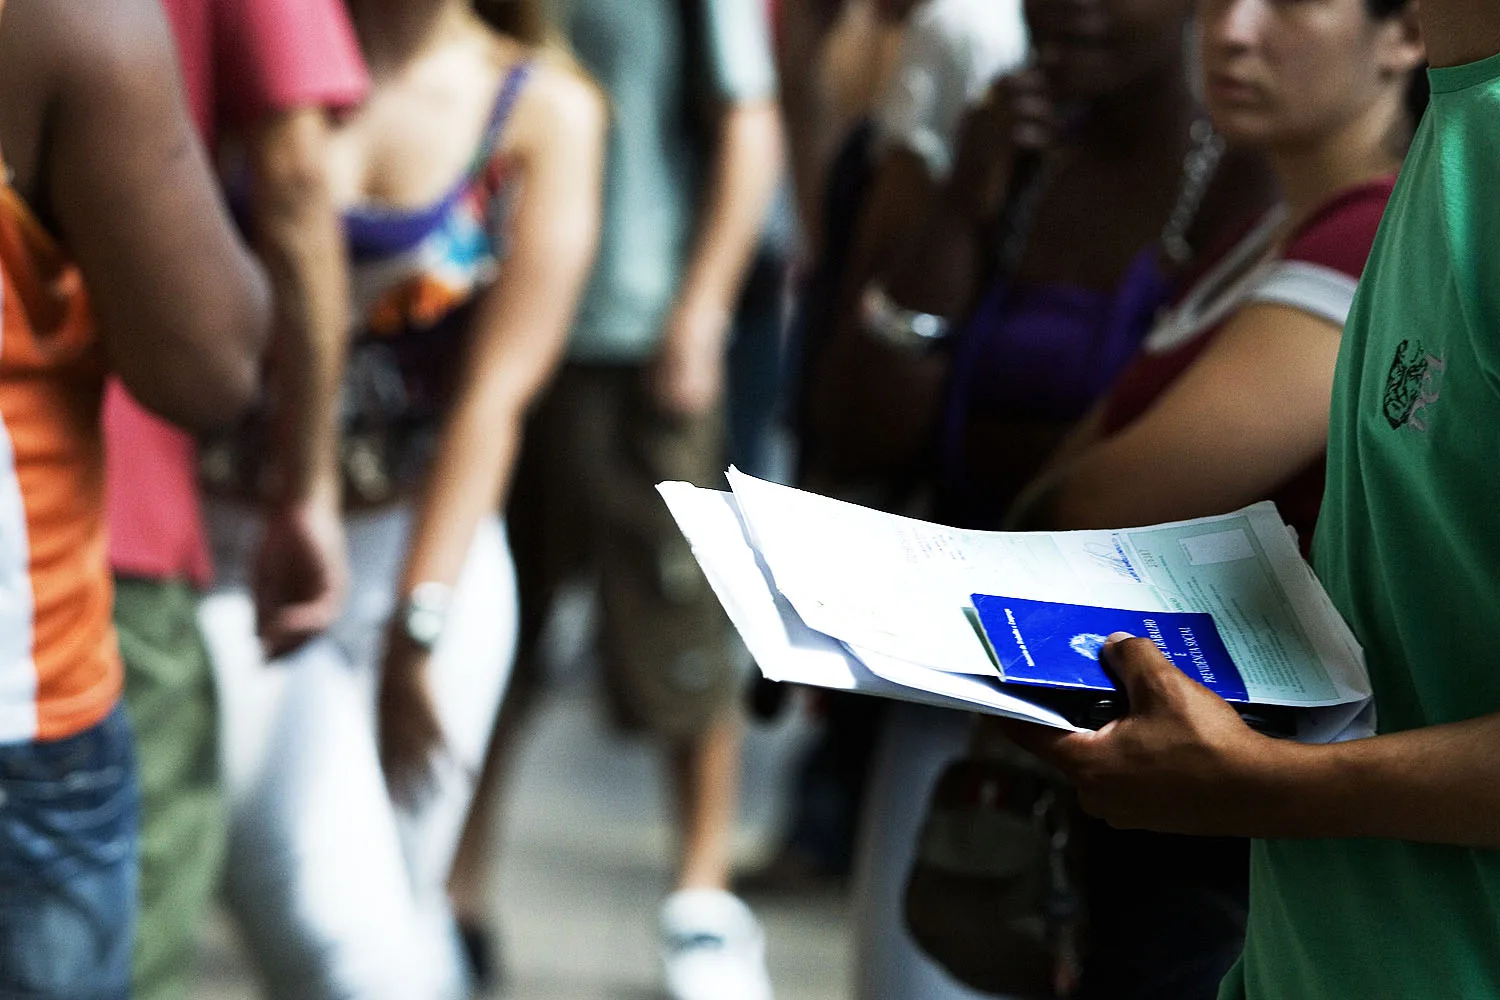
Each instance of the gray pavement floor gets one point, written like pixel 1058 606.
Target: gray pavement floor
pixel 584 867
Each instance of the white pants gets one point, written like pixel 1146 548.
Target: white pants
pixel 917 743
pixel 341 896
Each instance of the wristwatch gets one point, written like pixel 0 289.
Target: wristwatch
pixel 906 329
pixel 424 613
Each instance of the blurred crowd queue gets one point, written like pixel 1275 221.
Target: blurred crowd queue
pixel 322 373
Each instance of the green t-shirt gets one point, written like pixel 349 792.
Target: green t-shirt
pixel 1409 548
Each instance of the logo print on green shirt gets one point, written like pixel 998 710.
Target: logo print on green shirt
pixel 1413 384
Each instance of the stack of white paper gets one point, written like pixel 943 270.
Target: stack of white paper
pixel 834 595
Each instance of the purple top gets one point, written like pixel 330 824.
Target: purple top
pixel 376 232
pixel 1041 351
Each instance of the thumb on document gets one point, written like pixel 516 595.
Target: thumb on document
pixel 1137 666
pixel 1179 761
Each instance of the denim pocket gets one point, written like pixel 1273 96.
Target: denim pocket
pixel 72 942
pixel 67 806
pixel 68 815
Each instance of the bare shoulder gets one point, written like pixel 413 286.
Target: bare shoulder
pixel 108 57
pixel 558 91
pixel 567 89
pixel 80 66
pixel 118 42
pixel 561 109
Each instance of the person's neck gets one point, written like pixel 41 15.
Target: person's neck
pixel 393 32
pixel 1311 174
pixel 1459 31
pixel 1155 110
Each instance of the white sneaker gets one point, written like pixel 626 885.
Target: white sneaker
pixel 712 948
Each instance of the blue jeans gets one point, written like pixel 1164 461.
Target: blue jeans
pixel 68 814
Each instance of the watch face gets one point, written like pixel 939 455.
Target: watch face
pixel 426 611
pixel 423 626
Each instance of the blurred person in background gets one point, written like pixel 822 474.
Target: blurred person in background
pixel 1228 403
pixel 117 254
pixel 1376 862
pixel 951 51
pixel 265 74
pixel 889 170
pixel 755 366
pixel 898 153
pixel 833 57
pixel 1234 380
pixel 469 185
pixel 1082 190
pixel 694 158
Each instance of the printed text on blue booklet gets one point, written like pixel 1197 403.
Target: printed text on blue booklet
pixel 1056 645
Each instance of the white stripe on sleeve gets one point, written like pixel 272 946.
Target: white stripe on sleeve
pixel 1313 288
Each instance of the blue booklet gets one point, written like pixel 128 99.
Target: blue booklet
pixel 1057 645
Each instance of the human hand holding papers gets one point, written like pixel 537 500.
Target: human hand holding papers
pixel 834 595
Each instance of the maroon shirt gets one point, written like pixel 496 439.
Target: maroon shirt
pixel 1337 238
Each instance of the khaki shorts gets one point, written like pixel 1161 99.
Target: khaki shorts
pixel 585 499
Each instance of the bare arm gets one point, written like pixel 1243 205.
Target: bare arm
pixel 746 170
pixel 297 233
pixel 872 407
pixel 804 29
pixel 519 332
pixel 1183 761
pixel 181 305
pixel 1084 435
pixel 1009 131
pixel 688 374
pixel 892 220
pixel 300 569
pixel 1223 435
pixel 520 327
pixel 926 124
pixel 939 268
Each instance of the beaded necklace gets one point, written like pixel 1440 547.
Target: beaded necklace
pixel 1199 165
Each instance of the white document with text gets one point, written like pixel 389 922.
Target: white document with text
pixel 836 595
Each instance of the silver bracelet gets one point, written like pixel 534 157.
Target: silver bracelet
pixel 906 329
